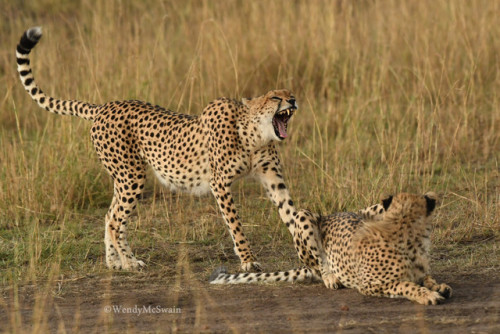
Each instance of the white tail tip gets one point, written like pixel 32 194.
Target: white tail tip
pixel 34 33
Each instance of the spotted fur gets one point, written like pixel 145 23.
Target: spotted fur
pixel 198 154
pixel 380 251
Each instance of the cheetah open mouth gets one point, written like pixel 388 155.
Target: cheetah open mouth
pixel 280 122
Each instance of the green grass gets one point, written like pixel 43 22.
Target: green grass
pixel 393 96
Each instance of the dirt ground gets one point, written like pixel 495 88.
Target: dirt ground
pixel 186 303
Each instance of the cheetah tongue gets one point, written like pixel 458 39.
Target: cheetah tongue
pixel 281 128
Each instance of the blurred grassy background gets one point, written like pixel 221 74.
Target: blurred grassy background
pixel 393 96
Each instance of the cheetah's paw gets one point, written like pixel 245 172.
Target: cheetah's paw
pixel 432 298
pixel 251 266
pixel 444 290
pixel 133 264
pixel 331 282
pixel 113 262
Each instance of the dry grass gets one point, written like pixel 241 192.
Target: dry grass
pixel 393 95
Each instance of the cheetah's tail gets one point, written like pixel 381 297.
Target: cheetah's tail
pixel 62 107
pixel 221 276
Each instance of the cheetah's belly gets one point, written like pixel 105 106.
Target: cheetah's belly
pixel 198 187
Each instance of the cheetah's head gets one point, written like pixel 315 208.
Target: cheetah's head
pixel 411 204
pixel 272 111
pixel 404 216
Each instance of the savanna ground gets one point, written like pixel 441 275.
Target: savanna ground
pixel 393 96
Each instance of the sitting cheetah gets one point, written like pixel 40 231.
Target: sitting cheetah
pixel 199 154
pixel 380 251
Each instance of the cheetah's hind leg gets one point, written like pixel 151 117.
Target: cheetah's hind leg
pixel 118 252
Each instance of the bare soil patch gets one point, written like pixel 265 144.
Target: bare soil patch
pixel 90 303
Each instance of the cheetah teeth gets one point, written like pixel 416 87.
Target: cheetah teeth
pixel 286 112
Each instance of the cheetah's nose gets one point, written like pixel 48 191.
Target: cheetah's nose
pixel 292 102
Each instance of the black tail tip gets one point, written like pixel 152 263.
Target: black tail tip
pixel 30 38
pixel 217 272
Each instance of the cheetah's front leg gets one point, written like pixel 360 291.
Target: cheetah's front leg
pixel 411 291
pixel 222 193
pixel 267 169
pixel 373 212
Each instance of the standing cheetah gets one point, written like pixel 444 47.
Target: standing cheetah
pixel 199 154
pixel 380 251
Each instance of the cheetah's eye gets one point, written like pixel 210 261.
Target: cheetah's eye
pixel 275 98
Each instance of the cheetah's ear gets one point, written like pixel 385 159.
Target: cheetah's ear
pixel 431 199
pixel 386 201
